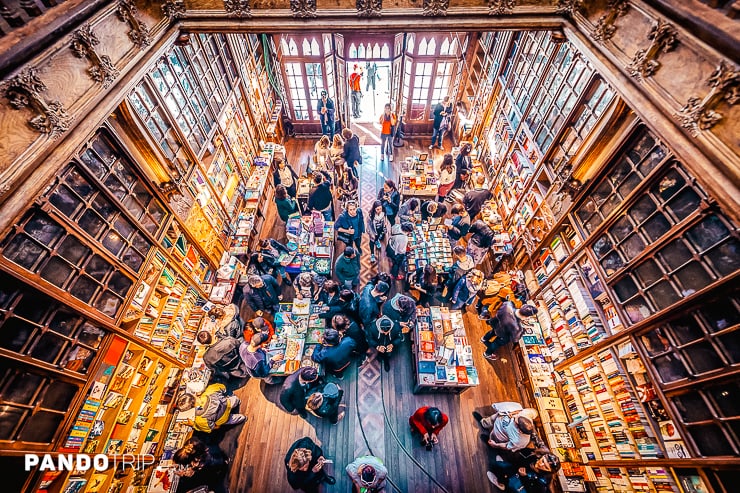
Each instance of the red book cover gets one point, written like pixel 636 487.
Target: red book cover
pixel 462 375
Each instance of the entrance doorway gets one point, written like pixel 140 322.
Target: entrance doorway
pixel 374 96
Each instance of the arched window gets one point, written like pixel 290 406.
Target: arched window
pixel 431 47
pixel 292 48
pixel 352 51
pixel 376 51
pixel 327 44
pixel 423 46
pixel 454 47
pixel 284 46
pixel 304 73
pixel 385 51
pixel 361 51
pixel 445 48
pixel 306 47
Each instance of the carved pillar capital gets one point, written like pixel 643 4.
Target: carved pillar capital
pixel 101 68
pixel 239 8
pixel 369 8
pixel 663 38
pixel 139 33
pixel 436 7
pixel 24 91
pixel 700 114
pixel 500 7
pixel 173 9
pixel 605 26
pixel 567 7
pixel 304 9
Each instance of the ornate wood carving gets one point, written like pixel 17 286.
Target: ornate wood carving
pixel 240 8
pixel 501 7
pixel 173 9
pixel 24 91
pixel 139 33
pixel 605 27
pixel 663 38
pixel 567 7
pixel 101 68
pixel 304 9
pixel 699 114
pixel 436 7
pixel 369 8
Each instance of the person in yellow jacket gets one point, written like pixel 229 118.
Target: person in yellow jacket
pixel 213 408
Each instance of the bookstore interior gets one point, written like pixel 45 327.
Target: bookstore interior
pixel 141 151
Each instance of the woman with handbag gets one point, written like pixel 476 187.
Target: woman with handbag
pixel 377 227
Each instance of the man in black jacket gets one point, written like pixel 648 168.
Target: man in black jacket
pixel 385 336
pixel 370 300
pixel 351 154
pixel 480 241
pixel 335 352
pixel 474 199
pixel 320 197
pixel 296 389
pixel 346 303
pixel 506 326
pixel 529 471
pixel 262 294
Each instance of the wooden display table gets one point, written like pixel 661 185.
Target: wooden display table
pixel 296 336
pixel 443 358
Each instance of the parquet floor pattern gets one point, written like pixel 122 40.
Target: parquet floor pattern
pixel 378 403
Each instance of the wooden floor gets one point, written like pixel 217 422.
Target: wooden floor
pixel 378 403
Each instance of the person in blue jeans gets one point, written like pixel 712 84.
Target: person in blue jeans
pixel 350 226
pixel 326 111
pixel 396 248
pixel 441 110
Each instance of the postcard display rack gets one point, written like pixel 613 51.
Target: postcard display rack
pixel 429 245
pixel 443 357
pixel 311 240
pixel 296 336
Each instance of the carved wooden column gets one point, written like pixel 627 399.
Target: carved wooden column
pixel 699 114
pixel 644 64
pixel 605 27
pixel 24 91
pixel 139 33
pixel 101 68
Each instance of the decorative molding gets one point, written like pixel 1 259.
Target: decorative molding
pixel 169 188
pixel 240 8
pixel 436 7
pixel 303 9
pixel 369 8
pixel 173 9
pixel 567 7
pixel 663 38
pixel 83 45
pixel 699 114
pixel 139 33
pixel 24 91
pixel 500 7
pixel 605 27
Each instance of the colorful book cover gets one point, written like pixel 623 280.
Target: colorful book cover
pixel 462 375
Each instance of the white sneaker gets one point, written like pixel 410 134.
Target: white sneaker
pixel 390 158
pixel 494 480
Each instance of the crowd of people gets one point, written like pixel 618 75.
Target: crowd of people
pixel 366 322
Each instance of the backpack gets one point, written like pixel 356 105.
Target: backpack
pixel 223 358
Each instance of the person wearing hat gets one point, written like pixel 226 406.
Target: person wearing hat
pixel 402 310
pixel 355 85
pixel 506 325
pixel 304 464
pixel 335 352
pixel 262 294
pixel 350 226
pixel 296 389
pixel 254 356
pixel 427 422
pixel 367 474
pixel 325 108
pixel 326 403
pixel 385 336
pixel 372 296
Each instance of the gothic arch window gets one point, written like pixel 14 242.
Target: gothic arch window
pixel 304 74
pixel 361 51
pixel 327 44
pixel 423 46
pixel 292 48
pixel 410 41
pixel 352 51
pixel 445 48
pixel 385 51
pixel 376 51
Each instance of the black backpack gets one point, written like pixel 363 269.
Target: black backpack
pixel 223 358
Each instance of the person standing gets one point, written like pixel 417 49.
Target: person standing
pixel 262 294
pixel 474 199
pixel 480 241
pixel 388 121
pixel 530 471
pixel 446 177
pixel 304 463
pixel 254 356
pixel 296 389
pixel 460 224
pixel 285 175
pixel 355 80
pixel 286 205
pixel 372 297
pixel 463 165
pixel 506 326
pixel 441 111
pixel 213 408
pixel 428 422
pixel 466 290
pixel 335 352
pixel 352 154
pixel 377 228
pixel 390 197
pixel 350 226
pixel 320 197
pixel 372 75
pixel 384 335
pixel 396 248
pixel 326 111
pixel 347 269
pixel 326 403
pixel 367 474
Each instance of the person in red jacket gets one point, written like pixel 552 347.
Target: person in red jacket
pixel 428 422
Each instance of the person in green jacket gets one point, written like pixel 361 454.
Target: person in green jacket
pixel 347 268
pixel 286 205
